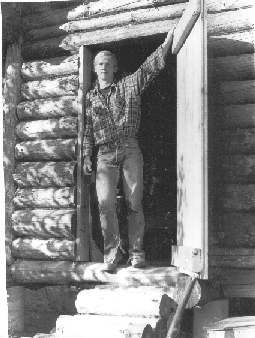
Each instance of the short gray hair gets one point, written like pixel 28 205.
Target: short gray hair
pixel 106 53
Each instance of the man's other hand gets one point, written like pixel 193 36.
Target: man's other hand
pixel 87 165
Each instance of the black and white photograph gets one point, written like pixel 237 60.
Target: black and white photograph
pixel 127 169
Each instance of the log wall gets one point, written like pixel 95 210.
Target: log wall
pixel 232 66
pixel 44 218
pixel 47 116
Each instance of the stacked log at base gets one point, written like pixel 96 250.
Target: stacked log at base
pixel 233 257
pixel 233 327
pixel 44 174
pixel 106 326
pixel 229 233
pixel 38 150
pixel 61 86
pixel 48 108
pixel 35 248
pixel 51 128
pixel 44 223
pixel 44 198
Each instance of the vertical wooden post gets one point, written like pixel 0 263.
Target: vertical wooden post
pixel 208 314
pixel 83 232
pixel 3 292
pixel 11 98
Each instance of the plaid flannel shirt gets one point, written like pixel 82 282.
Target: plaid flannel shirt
pixel 118 116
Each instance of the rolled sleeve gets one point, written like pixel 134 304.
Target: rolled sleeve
pixel 148 70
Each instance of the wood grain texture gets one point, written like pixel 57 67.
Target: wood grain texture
pixel 11 98
pixel 237 197
pixel 72 42
pixel 56 198
pixel 230 22
pixel 231 44
pixel 110 326
pixel 236 116
pixel 40 150
pixel 238 168
pixel 34 248
pixel 43 129
pixel 233 258
pixel 237 92
pixel 58 66
pixel 228 5
pixel 100 22
pixel 238 141
pixel 61 86
pixel 236 229
pixel 105 301
pixel 30 271
pixel 54 17
pixel 44 174
pixel 235 282
pixel 221 23
pixel 84 216
pixel 239 67
pixel 54 107
pixel 44 223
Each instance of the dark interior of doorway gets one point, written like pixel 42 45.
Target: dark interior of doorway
pixel 157 138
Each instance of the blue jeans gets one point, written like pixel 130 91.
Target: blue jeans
pixel 125 159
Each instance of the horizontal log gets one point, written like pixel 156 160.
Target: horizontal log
pixel 68 272
pixel 105 301
pixel 44 174
pixel 235 282
pixel 237 197
pixel 47 108
pixel 44 198
pixel 110 326
pixel 239 141
pixel 44 223
pixel 233 258
pixel 34 248
pixel 231 44
pixel 66 85
pixel 218 24
pixel 237 116
pixel 238 67
pixel 31 8
pixel 55 17
pixel 125 18
pixel 230 22
pixel 237 229
pixel 227 5
pixel 46 150
pixel 72 42
pixel 238 168
pixel 51 128
pixel 58 66
pixel 237 92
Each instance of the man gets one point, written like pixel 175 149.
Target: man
pixel 113 112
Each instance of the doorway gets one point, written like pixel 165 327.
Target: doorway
pixel 157 139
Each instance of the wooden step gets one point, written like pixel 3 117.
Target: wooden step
pixel 142 301
pixel 235 327
pixel 95 326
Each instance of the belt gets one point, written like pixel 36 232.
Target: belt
pixel 115 144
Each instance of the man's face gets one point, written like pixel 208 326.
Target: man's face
pixel 105 67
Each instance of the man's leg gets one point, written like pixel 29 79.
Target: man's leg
pixel 133 188
pixel 106 186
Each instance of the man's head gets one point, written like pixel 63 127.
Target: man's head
pixel 105 65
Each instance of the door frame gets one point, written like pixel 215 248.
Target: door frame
pixel 84 243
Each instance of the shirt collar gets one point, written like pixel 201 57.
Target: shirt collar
pixel 96 88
